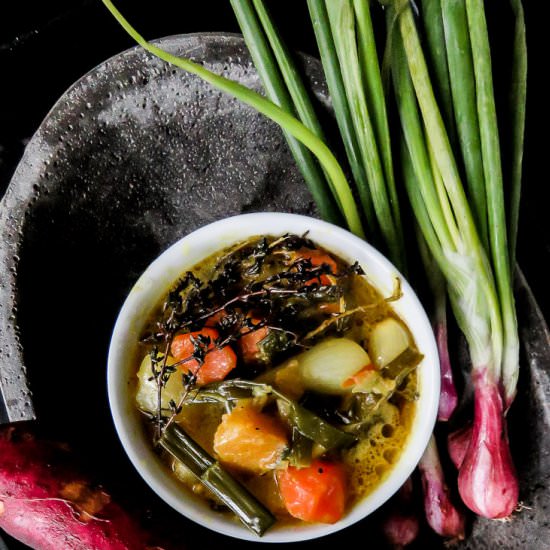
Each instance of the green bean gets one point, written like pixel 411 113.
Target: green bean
pixel 250 511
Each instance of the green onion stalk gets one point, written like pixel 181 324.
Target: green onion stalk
pixel 462 82
pixel 293 100
pixel 433 25
pixel 518 100
pixel 333 76
pixel 442 515
pixel 369 122
pixel 487 481
pixel 494 188
pixel 337 180
pixel 448 398
pixel 432 19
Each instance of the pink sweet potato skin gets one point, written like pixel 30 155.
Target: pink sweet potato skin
pixel 48 505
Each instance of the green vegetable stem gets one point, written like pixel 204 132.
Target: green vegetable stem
pixel 337 178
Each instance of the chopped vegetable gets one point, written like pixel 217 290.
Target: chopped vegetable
pixel 371 381
pixel 252 513
pixel 359 377
pixel 306 422
pixel 250 440
pixel 218 362
pixel 146 396
pixel 315 493
pixel 249 343
pixel 328 366
pixel 319 258
pixel 286 379
pixel 388 340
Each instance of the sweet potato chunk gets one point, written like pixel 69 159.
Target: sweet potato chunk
pixel 250 440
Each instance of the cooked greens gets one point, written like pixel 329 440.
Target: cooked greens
pixel 257 362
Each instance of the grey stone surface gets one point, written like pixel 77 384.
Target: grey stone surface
pixel 131 158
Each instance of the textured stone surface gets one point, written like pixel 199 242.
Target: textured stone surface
pixel 132 157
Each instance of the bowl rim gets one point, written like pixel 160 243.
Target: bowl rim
pixel 186 253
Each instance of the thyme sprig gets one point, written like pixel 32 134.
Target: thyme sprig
pixel 261 283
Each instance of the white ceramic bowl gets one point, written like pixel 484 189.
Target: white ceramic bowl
pixel 153 285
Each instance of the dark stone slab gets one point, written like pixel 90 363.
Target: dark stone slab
pixel 131 158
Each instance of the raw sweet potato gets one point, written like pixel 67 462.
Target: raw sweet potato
pixel 48 505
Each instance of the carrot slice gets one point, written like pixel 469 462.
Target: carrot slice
pixel 316 493
pixel 317 259
pixel 218 363
pixel 249 342
pixel 359 376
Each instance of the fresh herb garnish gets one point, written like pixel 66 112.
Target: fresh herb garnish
pixel 263 283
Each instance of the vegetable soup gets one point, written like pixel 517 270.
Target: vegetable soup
pixel 289 369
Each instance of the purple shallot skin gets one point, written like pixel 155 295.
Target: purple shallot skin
pixel 448 399
pixel 442 515
pixel 487 479
pixel 401 525
pixel 457 444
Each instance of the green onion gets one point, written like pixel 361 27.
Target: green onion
pixel 473 257
pixel 518 98
pixel 342 23
pixel 461 72
pixel 437 54
pixel 376 101
pixel 277 92
pixel 291 75
pixel 459 270
pixel 333 75
pixel 442 515
pixel 490 150
pixel 448 398
pixel 252 513
pixel 462 259
pixel 338 182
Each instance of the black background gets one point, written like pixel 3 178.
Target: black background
pixel 46 45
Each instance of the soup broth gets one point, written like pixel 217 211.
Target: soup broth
pixel 285 364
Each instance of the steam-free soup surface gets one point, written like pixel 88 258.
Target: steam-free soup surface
pixel 285 364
